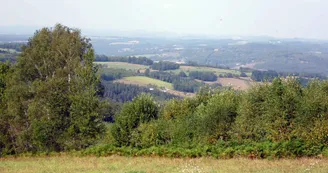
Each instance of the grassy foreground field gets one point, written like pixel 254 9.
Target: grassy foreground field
pixel 120 164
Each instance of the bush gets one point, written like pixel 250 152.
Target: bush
pixel 142 109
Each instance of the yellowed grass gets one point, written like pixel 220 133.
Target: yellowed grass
pixel 238 84
pixel 143 81
pixel 119 164
pixel 123 65
pixel 235 83
pixel 209 69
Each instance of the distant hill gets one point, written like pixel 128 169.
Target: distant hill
pixel 257 52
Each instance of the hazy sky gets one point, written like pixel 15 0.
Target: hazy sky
pixel 280 18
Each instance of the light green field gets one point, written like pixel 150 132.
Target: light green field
pixel 142 80
pixel 119 164
pixel 9 50
pixel 186 69
pixel 123 65
pixel 217 71
pixel 146 55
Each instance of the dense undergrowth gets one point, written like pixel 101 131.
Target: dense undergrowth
pixel 267 150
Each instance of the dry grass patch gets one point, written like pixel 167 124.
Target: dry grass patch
pixel 217 71
pixel 123 65
pixel 119 164
pixel 144 81
pixel 238 84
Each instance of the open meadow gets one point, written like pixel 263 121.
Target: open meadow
pixel 120 164
pixel 143 81
pixel 122 65
pixel 217 71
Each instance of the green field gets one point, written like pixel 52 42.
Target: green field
pixel 217 71
pixel 147 55
pixel 123 65
pixel 186 69
pixel 142 80
pixel 119 164
pixel 9 50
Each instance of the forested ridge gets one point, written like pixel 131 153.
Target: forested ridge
pixel 52 100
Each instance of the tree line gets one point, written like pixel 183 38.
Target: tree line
pixel 271 74
pixel 110 74
pixel 130 59
pixel 186 85
pixel 193 63
pixel 181 82
pixel 163 76
pixel 165 65
pixel 261 76
pixel 203 75
pixel 119 92
pixel 15 46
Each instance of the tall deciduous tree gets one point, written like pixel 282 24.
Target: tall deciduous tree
pixel 51 95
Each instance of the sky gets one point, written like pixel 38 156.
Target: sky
pixel 277 18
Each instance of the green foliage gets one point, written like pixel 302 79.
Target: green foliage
pixel 120 92
pixel 224 150
pixel 218 115
pixel 50 96
pixel 142 109
pixel 276 120
pixel 5 138
pixel 264 75
pixel 312 117
pixel 186 85
pixel 250 124
pixel 48 102
pixel 165 65
pixel 110 74
pixel 203 75
pixel 147 71
pixel 178 108
pixel 133 60
pixel 182 74
pixel 4 70
pixel 268 112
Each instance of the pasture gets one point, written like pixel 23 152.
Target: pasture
pixel 123 65
pixel 143 81
pixel 120 164
pixel 9 50
pixel 217 71
pixel 237 84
